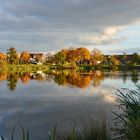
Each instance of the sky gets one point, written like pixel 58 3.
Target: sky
pixel 112 26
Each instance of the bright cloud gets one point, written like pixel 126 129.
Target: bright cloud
pixel 51 25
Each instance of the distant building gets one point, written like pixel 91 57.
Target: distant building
pixel 124 59
pixel 36 58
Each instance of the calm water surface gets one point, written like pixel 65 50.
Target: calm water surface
pixel 39 100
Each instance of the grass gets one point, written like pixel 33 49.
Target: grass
pixel 91 131
pixel 24 68
pixel 128 120
pixel 24 133
pixel 87 131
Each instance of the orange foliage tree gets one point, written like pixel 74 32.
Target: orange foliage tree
pixel 3 58
pixel 78 55
pixel 83 54
pixel 24 57
pixel 72 55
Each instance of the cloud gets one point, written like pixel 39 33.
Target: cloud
pixel 128 50
pixel 107 37
pixel 61 23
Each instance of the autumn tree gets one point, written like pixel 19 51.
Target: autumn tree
pixel 24 57
pixel 77 55
pixel 12 56
pixel 72 55
pixel 60 57
pixel 83 55
pixel 113 60
pixel 3 58
pixel 65 51
pixel 96 56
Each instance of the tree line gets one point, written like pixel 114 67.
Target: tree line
pixel 70 57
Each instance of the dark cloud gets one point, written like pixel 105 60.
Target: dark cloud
pixel 28 21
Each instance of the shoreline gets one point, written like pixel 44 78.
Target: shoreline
pixel 34 68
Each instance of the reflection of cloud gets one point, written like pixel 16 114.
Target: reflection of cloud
pixel 104 92
pixel 109 98
pixel 39 106
pixel 39 113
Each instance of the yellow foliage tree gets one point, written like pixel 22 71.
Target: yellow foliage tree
pixel 96 56
pixel 83 54
pixel 24 57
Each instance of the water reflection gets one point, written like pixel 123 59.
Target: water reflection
pixel 25 77
pixel 71 78
pixel 12 79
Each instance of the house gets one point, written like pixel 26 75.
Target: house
pixel 37 58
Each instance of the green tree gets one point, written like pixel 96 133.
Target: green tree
pixel 12 56
pixel 50 58
pixel 135 59
pixel 60 57
pixel 124 59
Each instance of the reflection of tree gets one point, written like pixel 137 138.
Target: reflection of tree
pixel 12 79
pixel 25 77
pixel 97 78
pixel 134 77
pixel 72 78
pixel 39 77
pixel 79 80
pixel 124 77
pixel 60 79
pixel 3 76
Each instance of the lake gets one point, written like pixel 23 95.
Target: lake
pixel 39 100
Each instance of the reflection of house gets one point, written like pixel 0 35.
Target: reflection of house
pixel 39 75
pixel 36 57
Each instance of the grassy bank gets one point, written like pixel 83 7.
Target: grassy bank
pixel 34 68
pixel 97 67
pixel 108 67
pixel 23 68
